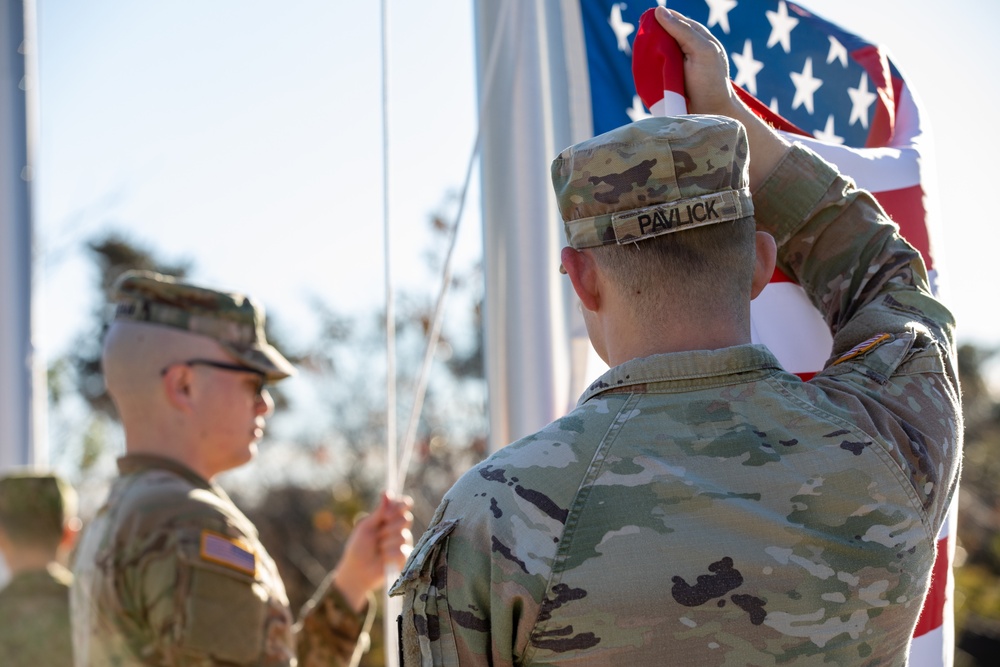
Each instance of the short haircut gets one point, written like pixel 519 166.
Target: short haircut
pixel 704 267
pixel 34 508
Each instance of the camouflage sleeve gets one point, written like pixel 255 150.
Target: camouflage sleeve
pixel 329 632
pixel 893 370
pixel 196 590
pixel 470 596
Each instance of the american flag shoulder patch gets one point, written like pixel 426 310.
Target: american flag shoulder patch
pixel 230 552
pixel 861 348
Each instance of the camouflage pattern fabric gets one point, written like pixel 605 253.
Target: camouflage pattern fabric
pixel 234 320
pixel 652 177
pixel 170 572
pixel 709 508
pixel 34 619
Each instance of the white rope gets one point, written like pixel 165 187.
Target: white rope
pixel 392 608
pixel 390 311
pixel 435 332
pixel 396 477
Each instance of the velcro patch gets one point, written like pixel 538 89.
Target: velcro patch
pixel 861 348
pixel 222 550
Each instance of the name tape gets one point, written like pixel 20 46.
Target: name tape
pixel 643 223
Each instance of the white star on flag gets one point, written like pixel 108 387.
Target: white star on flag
pixel 861 100
pixel 719 13
pixel 805 85
pixel 837 52
pixel 747 68
pixel 773 106
pixel 781 27
pixel 621 28
pixel 827 134
pixel 636 111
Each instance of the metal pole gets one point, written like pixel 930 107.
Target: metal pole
pixel 22 387
pixel 527 318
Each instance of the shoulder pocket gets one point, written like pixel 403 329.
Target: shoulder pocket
pixel 221 607
pixel 224 617
pixel 425 553
pixel 425 634
pixel 880 356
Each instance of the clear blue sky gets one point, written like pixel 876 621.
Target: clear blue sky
pixel 246 136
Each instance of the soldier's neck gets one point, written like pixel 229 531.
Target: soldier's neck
pixel 715 331
pixel 27 559
pixel 166 439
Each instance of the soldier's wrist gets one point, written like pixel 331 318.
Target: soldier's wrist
pixel 354 595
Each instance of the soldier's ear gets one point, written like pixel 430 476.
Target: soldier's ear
pixel 177 383
pixel 582 271
pixel 767 252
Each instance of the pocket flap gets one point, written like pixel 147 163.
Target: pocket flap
pixel 424 554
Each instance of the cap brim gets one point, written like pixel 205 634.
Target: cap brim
pixel 264 358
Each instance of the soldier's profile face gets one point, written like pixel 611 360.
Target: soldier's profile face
pixel 232 408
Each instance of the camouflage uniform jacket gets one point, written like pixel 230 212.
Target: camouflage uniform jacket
pixel 709 508
pixel 34 619
pixel 170 572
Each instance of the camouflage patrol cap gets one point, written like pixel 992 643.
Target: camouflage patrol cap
pixel 653 177
pixel 231 319
pixel 35 506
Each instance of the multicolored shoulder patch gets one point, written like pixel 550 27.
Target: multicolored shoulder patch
pixel 230 552
pixel 861 348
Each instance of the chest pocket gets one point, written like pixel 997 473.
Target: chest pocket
pixel 425 624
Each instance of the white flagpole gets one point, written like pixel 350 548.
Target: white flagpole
pixel 22 384
pixel 529 310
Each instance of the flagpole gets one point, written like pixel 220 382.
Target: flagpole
pixel 22 386
pixel 527 318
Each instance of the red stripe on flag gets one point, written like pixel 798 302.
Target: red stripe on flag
pixel 883 122
pixel 780 276
pixel 932 614
pixel 906 207
pixel 777 121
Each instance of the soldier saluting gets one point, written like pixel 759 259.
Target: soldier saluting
pixel 701 505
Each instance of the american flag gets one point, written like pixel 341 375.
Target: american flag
pixel 843 96
pixel 227 551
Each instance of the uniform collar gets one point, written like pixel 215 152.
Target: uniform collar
pixel 685 371
pixel 134 463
